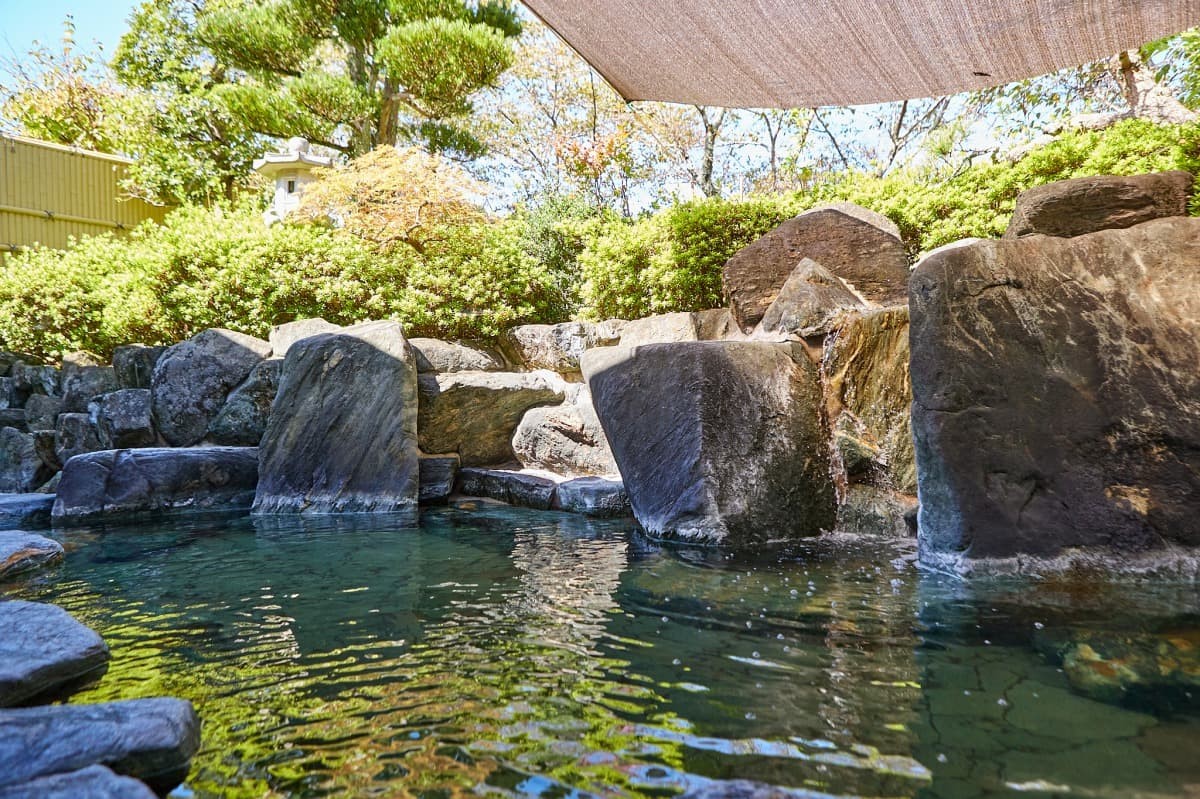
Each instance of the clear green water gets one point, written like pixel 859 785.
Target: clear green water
pixel 512 653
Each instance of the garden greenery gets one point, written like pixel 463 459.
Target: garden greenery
pixel 224 268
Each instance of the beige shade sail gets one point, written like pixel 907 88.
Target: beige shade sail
pixel 806 53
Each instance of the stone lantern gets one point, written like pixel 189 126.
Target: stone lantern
pixel 291 170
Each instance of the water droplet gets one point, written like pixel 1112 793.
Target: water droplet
pixel 676 662
pixel 751 717
pixel 1037 625
pixel 1002 702
pixel 665 619
pixel 754 655
pixel 941 758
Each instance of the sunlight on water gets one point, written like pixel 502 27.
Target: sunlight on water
pixel 511 653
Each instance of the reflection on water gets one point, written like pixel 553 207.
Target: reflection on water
pixel 523 654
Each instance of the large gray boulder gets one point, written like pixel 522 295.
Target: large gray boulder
pixel 134 364
pixel 82 381
pixel 555 347
pixel 282 337
pixel 122 419
pixel 476 413
pixel 93 782
pixel 42 649
pixel 566 439
pixel 30 378
pixel 21 466
pixel 75 434
pixel 1056 393
pixel 25 510
pixel 861 247
pixel 809 303
pixel 343 433
pixel 23 552
pixel 435 355
pixel 1085 205
pixel 141 482
pixel 717 442
pixel 243 419
pixel 41 412
pixel 152 740
pixel 193 378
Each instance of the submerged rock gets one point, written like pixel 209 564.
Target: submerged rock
pixel 565 439
pixel 42 649
pixel 21 467
pixel 127 482
pixel 1055 391
pixel 717 442
pixel 123 419
pixel 134 364
pixel 859 246
pixel 244 416
pixel 25 510
pixel 93 782
pixel 1085 205
pixel 435 355
pixel 343 433
pixel 193 378
pixel 476 413
pixel 22 552
pixel 152 740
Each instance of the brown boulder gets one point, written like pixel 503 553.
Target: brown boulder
pixel 1085 205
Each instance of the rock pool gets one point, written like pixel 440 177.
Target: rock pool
pixel 514 653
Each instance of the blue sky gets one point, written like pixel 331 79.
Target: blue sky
pixel 23 21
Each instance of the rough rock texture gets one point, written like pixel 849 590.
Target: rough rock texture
pixel 555 347
pixel 76 434
pixel 25 510
pixel 243 419
pixel 8 359
pixel 661 329
pixel 282 337
pixel 717 324
pixel 476 413
pixel 93 782
pixel 868 392
pixel 869 510
pixel 717 442
pixel 152 740
pixel 128 482
pixel 21 467
pixel 9 397
pixel 435 355
pixel 122 419
pixel 809 303
pixel 1086 205
pixel 861 247
pixel 592 496
pixel 343 433
pixel 36 379
pixel 42 649
pixel 1057 394
pixel 134 364
pixel 81 383
pixel 438 473
pixel 507 485
pixel 41 412
pixel 565 439
pixel 193 378
pixel 21 552
pixel 45 443
pixel 14 418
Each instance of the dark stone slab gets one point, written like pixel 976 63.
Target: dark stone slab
pixel 25 510
pixel 22 552
pixel 93 782
pixel 592 496
pixel 41 412
pixel 1085 205
pixel 123 419
pixel 152 740
pixel 21 467
pixel 16 418
pixel 513 487
pixel 438 473
pixel 80 384
pixel 42 649
pixel 243 419
pixel 139 482
pixel 1056 393
pixel 134 364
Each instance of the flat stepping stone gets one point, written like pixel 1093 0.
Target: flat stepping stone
pixel 25 510
pixel 42 648
pixel 152 740
pixel 21 552
pixel 533 488
pixel 93 782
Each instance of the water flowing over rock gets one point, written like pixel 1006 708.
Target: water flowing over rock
pixel 475 414
pixel 859 246
pixel 809 303
pixel 22 552
pixel 123 419
pixel 1085 205
pixel 555 347
pixel 21 467
pixel 566 439
pixel 155 480
pixel 282 337
pixel 717 442
pixel 42 649
pixel 134 364
pixel 1057 394
pixel 435 355
pixel 193 378
pixel 243 419
pixel 152 740
pixel 93 782
pixel 343 433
